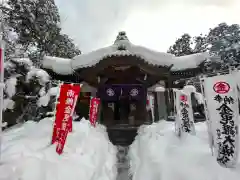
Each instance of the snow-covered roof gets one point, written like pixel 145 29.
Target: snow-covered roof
pixel 58 65
pixel 123 47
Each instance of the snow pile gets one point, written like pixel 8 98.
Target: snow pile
pixel 54 91
pixel 8 104
pixel 45 97
pixel 191 89
pixel 25 61
pixel 10 86
pixel 27 155
pixel 199 97
pixel 40 74
pixel 158 154
pixel 10 89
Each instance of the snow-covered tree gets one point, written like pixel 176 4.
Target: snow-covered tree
pixel 182 46
pixel 64 47
pixel 222 41
pixel 36 22
pixel 200 44
pixel 225 42
pixel 31 30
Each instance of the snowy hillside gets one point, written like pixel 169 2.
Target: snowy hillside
pixel 27 155
pixel 158 154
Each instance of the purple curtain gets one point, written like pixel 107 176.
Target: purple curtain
pixel 114 92
pixel 109 93
pixel 135 92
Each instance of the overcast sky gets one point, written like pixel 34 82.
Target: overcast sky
pixel 152 23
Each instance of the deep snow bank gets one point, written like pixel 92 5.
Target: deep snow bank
pixel 27 155
pixel 158 154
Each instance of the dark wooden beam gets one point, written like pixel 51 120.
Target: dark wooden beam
pixel 66 78
pixel 155 71
pixel 124 61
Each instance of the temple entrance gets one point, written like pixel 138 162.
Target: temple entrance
pixel 121 74
pixel 123 104
pixel 124 111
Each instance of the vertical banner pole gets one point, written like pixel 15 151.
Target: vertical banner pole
pixel 55 109
pixel 209 126
pixel 178 129
pixel 2 44
pixel 56 100
pixel 57 96
pixel 1 90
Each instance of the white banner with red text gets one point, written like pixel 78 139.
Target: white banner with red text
pixel 222 103
pixel 184 115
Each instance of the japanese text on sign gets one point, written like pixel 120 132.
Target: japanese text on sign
pixel 186 126
pixel 228 129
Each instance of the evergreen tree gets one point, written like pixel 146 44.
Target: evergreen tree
pixel 64 47
pixel 37 26
pixel 222 41
pixel 36 22
pixel 31 30
pixel 200 44
pixel 225 43
pixel 182 46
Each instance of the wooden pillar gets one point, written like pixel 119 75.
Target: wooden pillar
pixel 166 95
pixel 145 116
pixel 171 96
pixel 156 113
pixel 99 117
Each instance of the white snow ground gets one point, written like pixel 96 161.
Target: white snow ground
pixel 157 154
pixel 27 155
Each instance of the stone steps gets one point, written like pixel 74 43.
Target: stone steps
pixel 123 163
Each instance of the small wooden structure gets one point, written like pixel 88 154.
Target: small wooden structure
pixel 122 74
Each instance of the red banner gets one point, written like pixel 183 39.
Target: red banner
pixel 93 110
pixel 65 108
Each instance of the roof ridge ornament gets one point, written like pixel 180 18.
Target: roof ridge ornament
pixel 121 41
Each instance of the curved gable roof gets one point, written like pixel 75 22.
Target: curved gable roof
pixel 123 47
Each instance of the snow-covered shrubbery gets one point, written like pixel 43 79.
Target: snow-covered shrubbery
pixel 27 39
pixel 28 93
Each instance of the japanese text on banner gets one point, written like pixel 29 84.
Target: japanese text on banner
pixel 184 114
pixel 65 108
pixel 223 113
pixel 93 110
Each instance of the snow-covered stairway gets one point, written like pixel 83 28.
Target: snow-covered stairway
pixel 123 163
